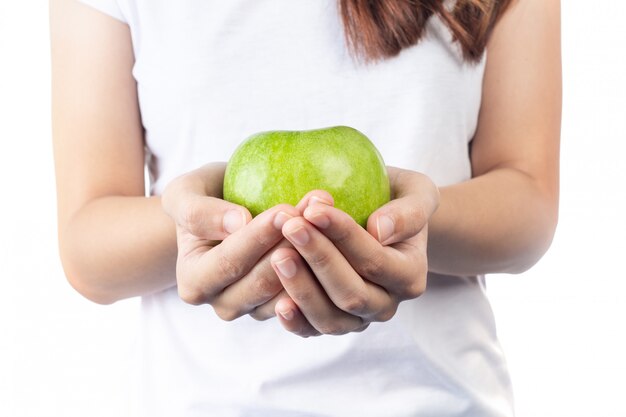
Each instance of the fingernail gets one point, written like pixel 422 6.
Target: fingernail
pixel 318 200
pixel 384 226
pixel 299 236
pixel 233 221
pixel 286 267
pixel 318 219
pixel 280 218
pixel 286 314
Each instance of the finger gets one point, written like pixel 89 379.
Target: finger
pixel 267 310
pixel 292 319
pixel 309 296
pixel 416 198
pixel 313 197
pixel 391 267
pixel 194 202
pixel 246 295
pixel 203 274
pixel 345 287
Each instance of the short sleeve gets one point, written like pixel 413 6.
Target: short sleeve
pixel 110 7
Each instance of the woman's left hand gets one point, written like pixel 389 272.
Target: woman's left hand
pixel 341 277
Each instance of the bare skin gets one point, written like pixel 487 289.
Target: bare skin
pixel 116 243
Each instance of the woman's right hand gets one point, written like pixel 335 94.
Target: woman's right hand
pixel 224 254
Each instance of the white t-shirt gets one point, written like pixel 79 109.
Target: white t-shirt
pixel 209 74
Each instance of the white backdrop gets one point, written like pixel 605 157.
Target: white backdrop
pixel 562 323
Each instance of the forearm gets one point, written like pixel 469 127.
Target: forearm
pixel 119 247
pixel 501 221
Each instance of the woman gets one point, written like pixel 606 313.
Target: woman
pixel 465 96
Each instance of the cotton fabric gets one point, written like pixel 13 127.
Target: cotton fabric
pixel 210 73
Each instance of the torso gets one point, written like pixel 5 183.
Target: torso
pixel 210 73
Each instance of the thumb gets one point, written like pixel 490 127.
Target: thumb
pixel 415 199
pixel 209 217
pixel 195 209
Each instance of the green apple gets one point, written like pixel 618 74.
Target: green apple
pixel 275 167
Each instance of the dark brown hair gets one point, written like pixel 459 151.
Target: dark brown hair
pixel 378 29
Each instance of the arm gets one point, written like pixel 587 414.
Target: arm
pixel 503 220
pixel 114 242
pixel 339 278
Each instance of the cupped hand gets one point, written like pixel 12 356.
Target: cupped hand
pixel 340 277
pixel 224 254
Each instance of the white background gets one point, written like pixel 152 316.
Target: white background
pixel 562 323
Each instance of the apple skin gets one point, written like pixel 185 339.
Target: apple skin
pixel 270 168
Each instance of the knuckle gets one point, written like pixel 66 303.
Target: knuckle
pixel 191 295
pixel 257 316
pixel 263 239
pixel 302 297
pixel 386 314
pixel 265 286
pixel 373 266
pixel 355 304
pixel 411 282
pixel 333 329
pixel 414 289
pixel 195 288
pixel 343 233
pixel 417 218
pixel 306 333
pixel 329 329
pixel 265 234
pixel 229 268
pixel 227 313
pixel 191 216
pixel 419 213
pixel 319 260
pixel 362 328
pixel 260 314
